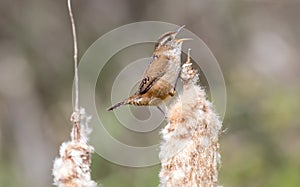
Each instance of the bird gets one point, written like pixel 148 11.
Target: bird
pixel 161 76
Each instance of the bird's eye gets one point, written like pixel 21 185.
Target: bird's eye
pixel 169 39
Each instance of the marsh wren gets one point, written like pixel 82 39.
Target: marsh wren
pixel 160 78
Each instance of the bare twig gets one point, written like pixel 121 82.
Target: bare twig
pixel 76 108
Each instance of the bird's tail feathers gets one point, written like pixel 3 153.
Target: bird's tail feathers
pixel 132 100
pixel 117 105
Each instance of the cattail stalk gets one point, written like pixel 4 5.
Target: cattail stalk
pixel 73 167
pixel 76 91
pixel 189 152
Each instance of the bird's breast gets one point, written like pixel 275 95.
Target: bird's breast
pixel 172 70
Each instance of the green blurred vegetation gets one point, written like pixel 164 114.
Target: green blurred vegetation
pixel 257 44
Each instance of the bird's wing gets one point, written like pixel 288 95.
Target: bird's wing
pixel 154 72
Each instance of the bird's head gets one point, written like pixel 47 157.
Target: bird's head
pixel 169 42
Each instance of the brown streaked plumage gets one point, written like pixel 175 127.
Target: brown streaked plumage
pixel 159 80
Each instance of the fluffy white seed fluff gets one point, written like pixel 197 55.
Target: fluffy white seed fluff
pixel 72 168
pixel 189 152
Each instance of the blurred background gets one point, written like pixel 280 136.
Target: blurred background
pixel 256 43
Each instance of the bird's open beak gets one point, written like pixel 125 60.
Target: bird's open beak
pixel 183 39
pixel 179 29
